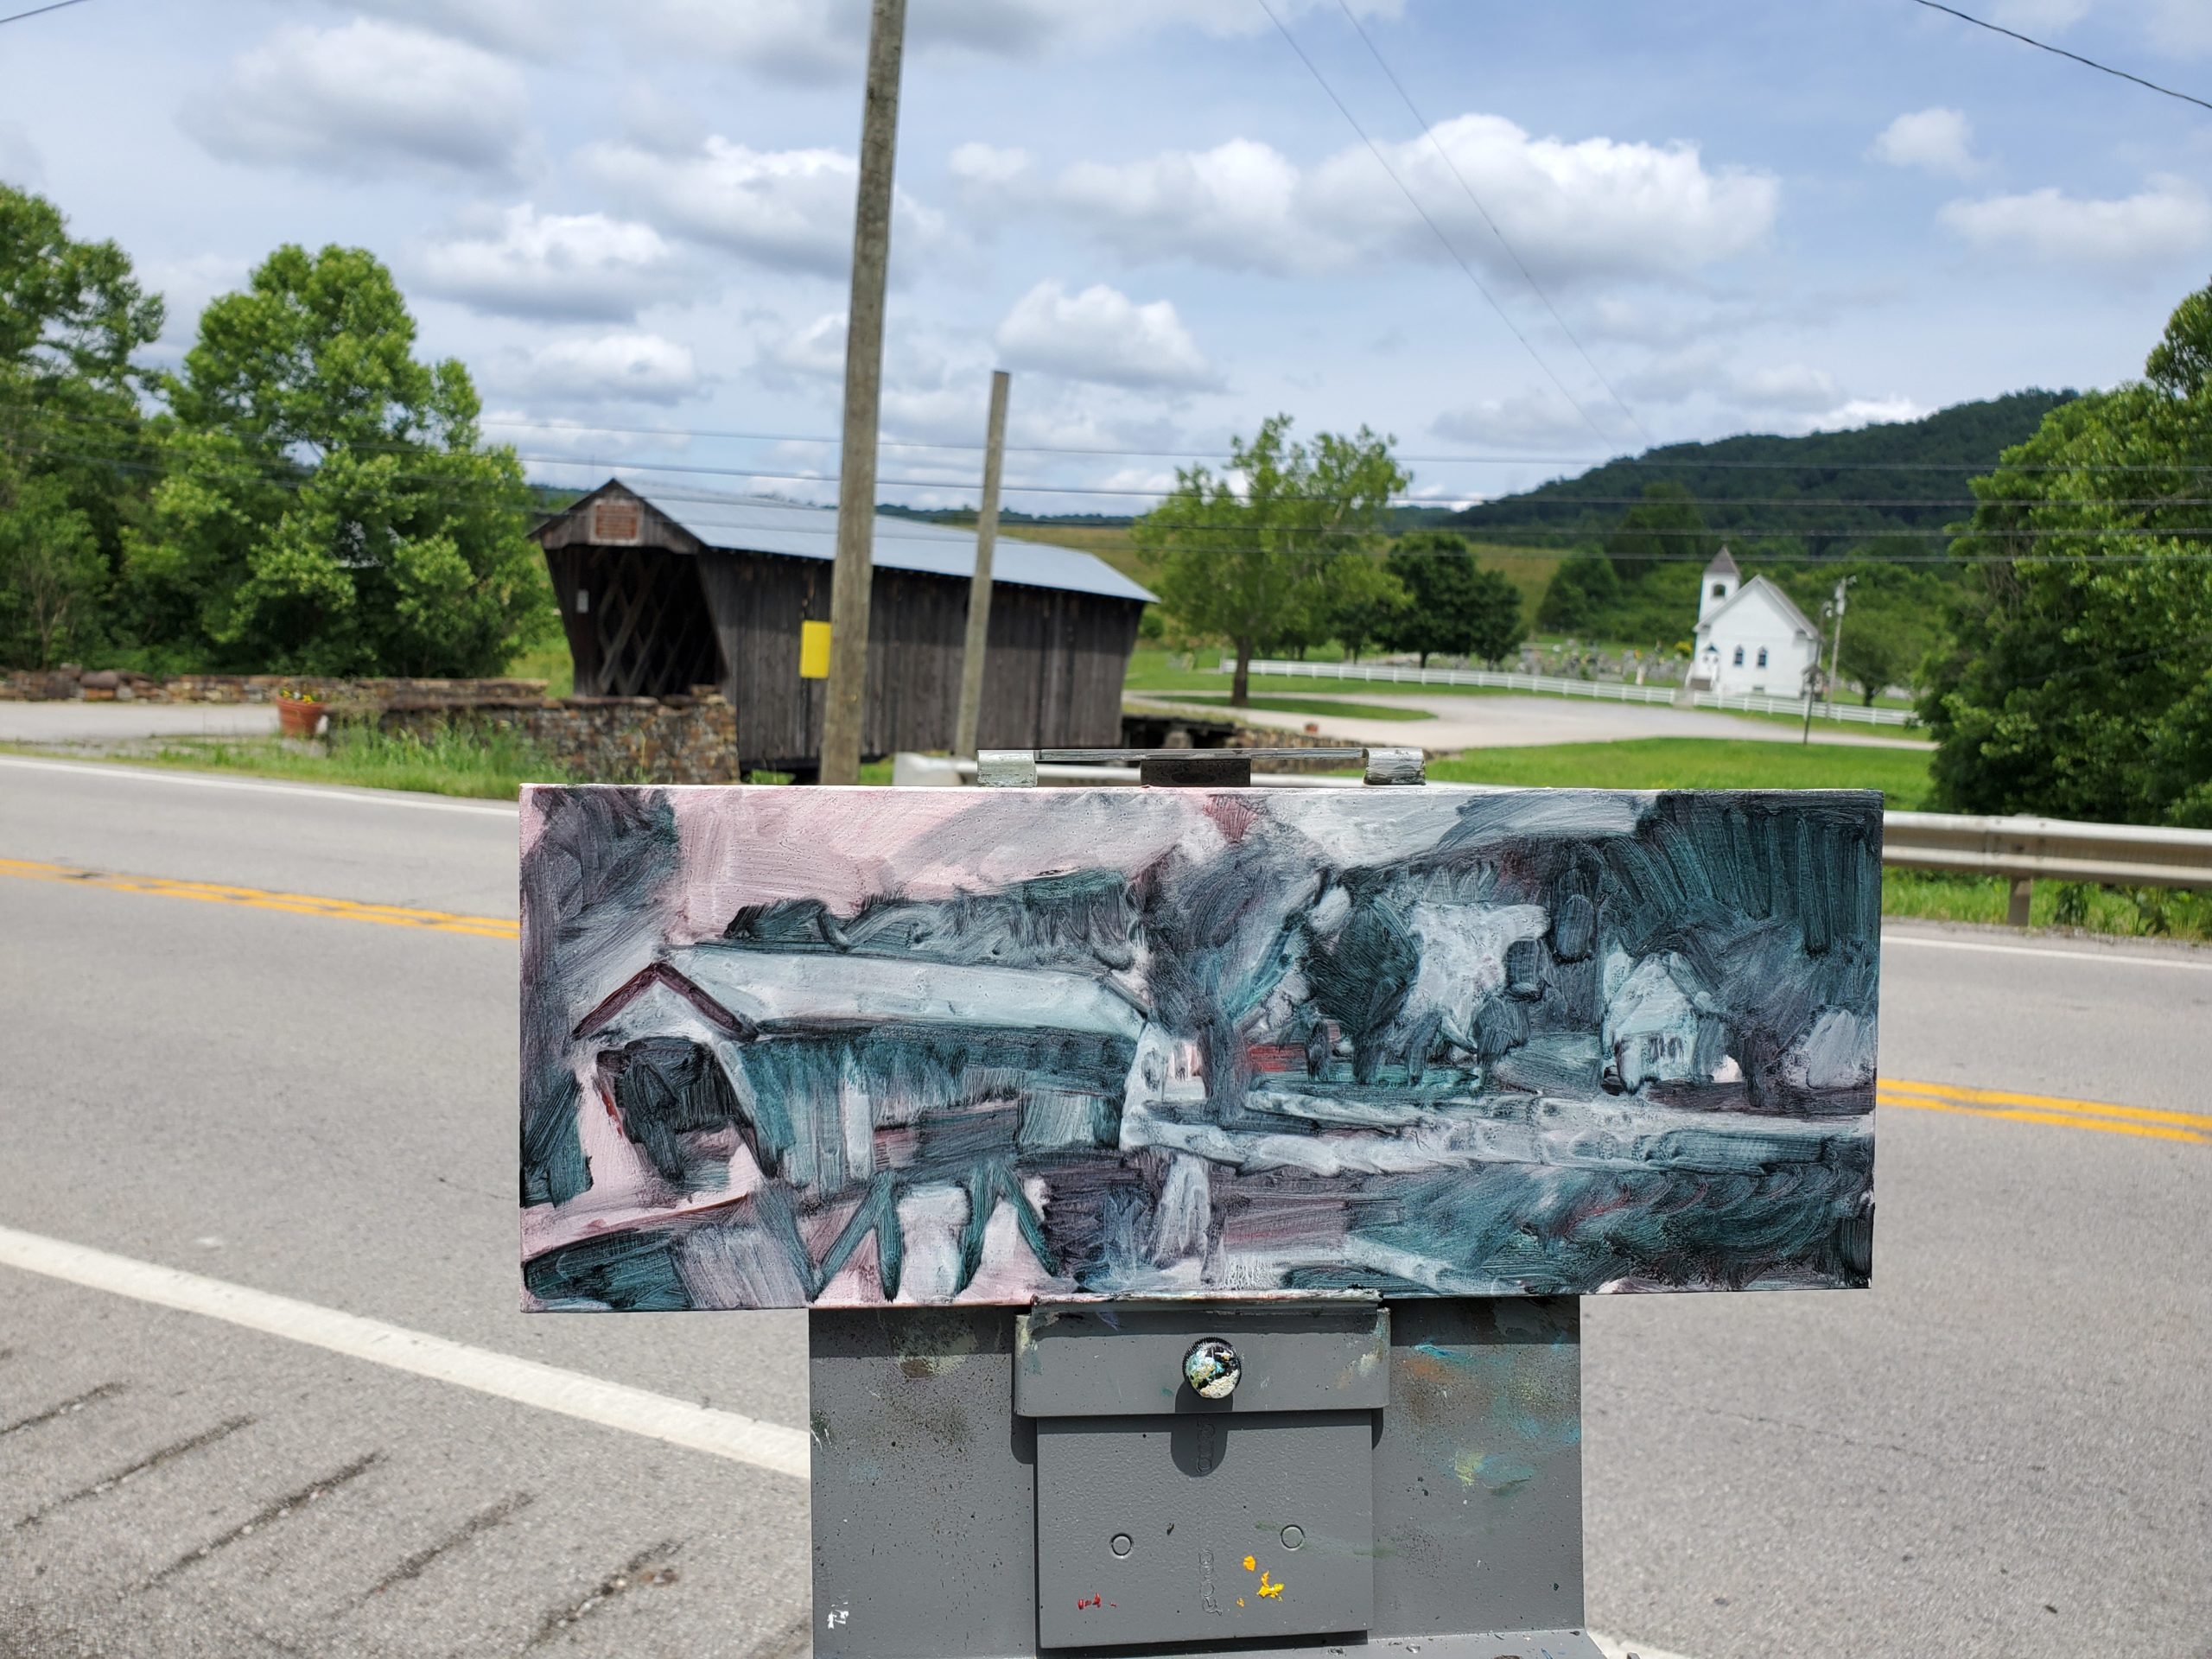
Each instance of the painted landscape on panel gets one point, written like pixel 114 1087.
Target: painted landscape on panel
pixel 786 1047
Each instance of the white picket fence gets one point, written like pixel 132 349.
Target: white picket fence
pixel 1553 685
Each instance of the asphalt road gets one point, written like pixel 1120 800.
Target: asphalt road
pixel 1522 722
pixel 2003 1448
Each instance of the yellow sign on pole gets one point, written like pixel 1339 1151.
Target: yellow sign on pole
pixel 813 651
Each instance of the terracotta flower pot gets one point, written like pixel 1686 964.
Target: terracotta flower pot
pixel 298 717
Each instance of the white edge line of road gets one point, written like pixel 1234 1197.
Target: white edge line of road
pixel 772 1446
pixel 1614 1647
pixel 612 1405
pixel 196 780
pixel 2125 959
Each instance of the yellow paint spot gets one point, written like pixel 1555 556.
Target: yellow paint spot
pixel 1240 1601
pixel 1251 1563
pixel 1269 1587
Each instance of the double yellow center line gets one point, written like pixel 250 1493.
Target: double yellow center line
pixel 2055 1110
pixel 297 904
pixel 2051 1111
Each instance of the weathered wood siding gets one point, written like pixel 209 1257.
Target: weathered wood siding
pixel 1053 678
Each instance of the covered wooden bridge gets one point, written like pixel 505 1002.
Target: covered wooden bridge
pixel 656 603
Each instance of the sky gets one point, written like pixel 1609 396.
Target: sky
pixel 1569 230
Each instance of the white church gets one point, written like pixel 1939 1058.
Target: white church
pixel 1750 635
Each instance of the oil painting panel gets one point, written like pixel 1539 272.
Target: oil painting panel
pixel 784 1047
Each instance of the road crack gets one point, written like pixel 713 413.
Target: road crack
pixel 267 1516
pixel 638 1571
pixel 108 1483
pixel 76 1404
pixel 482 1521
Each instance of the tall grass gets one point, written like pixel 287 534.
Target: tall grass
pixel 483 763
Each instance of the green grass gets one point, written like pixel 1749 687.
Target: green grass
pixel 1315 706
pixel 485 766
pixel 2124 912
pixel 490 765
pixel 551 663
pixel 1696 763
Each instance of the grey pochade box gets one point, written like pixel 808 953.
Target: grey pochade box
pixel 1190 1186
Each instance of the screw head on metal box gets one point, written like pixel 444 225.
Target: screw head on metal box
pixel 1212 1369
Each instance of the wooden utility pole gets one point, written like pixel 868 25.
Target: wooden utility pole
pixel 1835 652
pixel 979 588
pixel 856 570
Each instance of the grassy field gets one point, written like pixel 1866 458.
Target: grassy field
pixel 1695 763
pixel 1316 707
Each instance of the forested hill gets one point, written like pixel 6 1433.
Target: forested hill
pixel 1824 490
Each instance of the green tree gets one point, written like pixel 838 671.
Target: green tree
pixel 71 319
pixel 327 505
pixel 2076 679
pixel 1665 527
pixel 1366 619
pixel 1451 604
pixel 1580 594
pixel 1271 548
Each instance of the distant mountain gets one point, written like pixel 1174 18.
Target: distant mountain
pixel 1826 491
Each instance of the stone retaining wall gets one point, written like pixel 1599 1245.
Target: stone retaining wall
pixel 676 739
pixel 71 684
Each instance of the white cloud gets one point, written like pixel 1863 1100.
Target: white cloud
pixel 1571 209
pixel 825 40
pixel 1785 385
pixel 356 98
pixel 2169 218
pixel 1101 334
pixel 20 164
pixel 788 209
pixel 1535 420
pixel 816 350
pixel 533 265
pixel 529 28
pixel 1865 411
pixel 1936 140
pixel 621 367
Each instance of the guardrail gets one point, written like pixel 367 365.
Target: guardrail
pixel 1554 685
pixel 2023 850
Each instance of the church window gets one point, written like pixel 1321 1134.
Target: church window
pixel 1720 590
pixel 1761 656
pixel 1739 657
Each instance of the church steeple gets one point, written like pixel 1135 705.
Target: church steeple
pixel 1722 578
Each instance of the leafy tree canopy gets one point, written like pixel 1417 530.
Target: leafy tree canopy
pixel 325 505
pixel 71 319
pixel 1665 527
pixel 2076 681
pixel 1450 604
pixel 1272 549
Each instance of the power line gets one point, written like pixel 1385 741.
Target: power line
pixel 1651 462
pixel 2060 50
pixel 1230 540
pixel 39 11
pixel 1444 155
pixel 1533 505
pixel 1376 150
